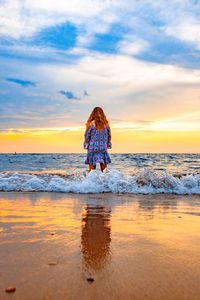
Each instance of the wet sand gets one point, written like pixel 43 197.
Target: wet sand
pixel 133 246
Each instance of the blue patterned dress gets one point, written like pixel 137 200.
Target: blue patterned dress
pixel 97 141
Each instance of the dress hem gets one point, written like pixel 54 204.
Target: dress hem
pixel 97 157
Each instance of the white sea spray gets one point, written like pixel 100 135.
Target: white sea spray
pixel 145 181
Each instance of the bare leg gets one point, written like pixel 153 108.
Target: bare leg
pixel 102 166
pixel 91 167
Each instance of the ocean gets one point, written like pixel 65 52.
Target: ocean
pixel 128 173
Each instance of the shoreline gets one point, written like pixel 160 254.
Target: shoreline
pixel 102 246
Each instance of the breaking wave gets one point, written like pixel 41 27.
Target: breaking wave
pixel 145 181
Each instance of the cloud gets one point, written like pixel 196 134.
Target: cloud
pixel 66 30
pixel 132 46
pixel 25 18
pixel 128 88
pixel 187 31
pixel 38 130
pixel 11 130
pixel 85 94
pixel 70 95
pixel 24 83
pixel 132 56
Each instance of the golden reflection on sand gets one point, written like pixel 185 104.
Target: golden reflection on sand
pixel 134 246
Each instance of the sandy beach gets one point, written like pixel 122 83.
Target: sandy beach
pixel 99 246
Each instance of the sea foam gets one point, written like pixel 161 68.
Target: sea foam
pixel 145 181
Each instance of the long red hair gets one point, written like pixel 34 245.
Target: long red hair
pixel 99 117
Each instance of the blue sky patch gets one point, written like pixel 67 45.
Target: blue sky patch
pixel 61 37
pixel 108 42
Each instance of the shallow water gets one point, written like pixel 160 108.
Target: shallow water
pixel 128 173
pixel 128 163
pixel 133 246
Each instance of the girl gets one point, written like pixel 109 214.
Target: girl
pixel 97 139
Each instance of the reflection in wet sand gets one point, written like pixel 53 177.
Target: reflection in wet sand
pixel 149 249
pixel 95 237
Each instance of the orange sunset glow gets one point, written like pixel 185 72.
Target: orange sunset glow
pixel 124 141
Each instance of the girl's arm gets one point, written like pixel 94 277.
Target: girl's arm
pixel 87 137
pixel 109 144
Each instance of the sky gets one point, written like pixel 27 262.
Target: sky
pixel 138 60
